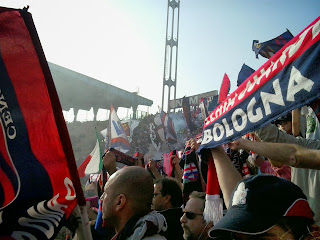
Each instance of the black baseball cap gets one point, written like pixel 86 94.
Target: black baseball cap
pixel 258 202
pixel 285 118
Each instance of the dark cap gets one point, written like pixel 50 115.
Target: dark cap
pixel 285 118
pixel 258 203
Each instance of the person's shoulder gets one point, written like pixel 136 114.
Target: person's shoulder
pixel 171 211
pixel 149 227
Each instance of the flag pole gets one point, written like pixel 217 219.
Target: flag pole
pixel 109 128
pixel 100 164
pixel 103 171
pixel 86 230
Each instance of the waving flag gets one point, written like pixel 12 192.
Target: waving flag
pixel 118 139
pixel 269 48
pixel 288 80
pixel 93 163
pixel 169 132
pixel 203 107
pixel 244 73
pixel 224 88
pixel 162 129
pixel 39 185
pixel 187 113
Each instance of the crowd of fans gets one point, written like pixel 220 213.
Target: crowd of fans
pixel 269 185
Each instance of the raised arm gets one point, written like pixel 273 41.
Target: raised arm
pixel 109 162
pixel 296 122
pixel 289 154
pixel 152 167
pixel 228 176
pixel 178 172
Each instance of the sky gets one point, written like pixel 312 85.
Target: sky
pixel 122 42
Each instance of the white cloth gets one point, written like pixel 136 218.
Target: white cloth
pixel 141 226
pixel 312 123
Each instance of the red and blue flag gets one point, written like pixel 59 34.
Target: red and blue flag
pixel 39 185
pixel 269 48
pixel 118 137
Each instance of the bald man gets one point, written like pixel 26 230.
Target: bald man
pixel 126 205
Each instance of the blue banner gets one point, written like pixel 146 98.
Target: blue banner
pixel 290 79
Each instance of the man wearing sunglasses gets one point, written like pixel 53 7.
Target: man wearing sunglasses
pixel 192 221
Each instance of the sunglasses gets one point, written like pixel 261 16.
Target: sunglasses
pixel 191 215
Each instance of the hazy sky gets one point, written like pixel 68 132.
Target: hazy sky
pixel 122 42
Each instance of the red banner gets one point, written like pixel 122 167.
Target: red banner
pixel 39 181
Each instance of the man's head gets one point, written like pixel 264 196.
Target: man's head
pixel 265 206
pixel 128 192
pixel 167 194
pixel 284 123
pixel 192 221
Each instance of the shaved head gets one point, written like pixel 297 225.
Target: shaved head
pixel 136 184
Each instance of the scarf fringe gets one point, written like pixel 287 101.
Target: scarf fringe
pixel 213 210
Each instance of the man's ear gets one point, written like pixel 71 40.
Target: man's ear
pixel 168 198
pixel 120 201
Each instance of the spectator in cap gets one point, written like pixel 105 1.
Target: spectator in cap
pixel 304 177
pixel 266 207
pixel 293 123
pixel 284 123
pixel 261 206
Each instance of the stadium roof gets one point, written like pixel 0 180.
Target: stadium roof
pixel 79 91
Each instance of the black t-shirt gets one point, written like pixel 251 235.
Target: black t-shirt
pixel 174 230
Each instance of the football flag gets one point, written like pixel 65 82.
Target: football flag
pixel 118 138
pixel 224 88
pixel 162 128
pixel 187 113
pixel 203 107
pixel 156 133
pixel 269 48
pixel 39 185
pixel 169 132
pixel 244 73
pixel 92 164
pixel 213 103
pixel 288 80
